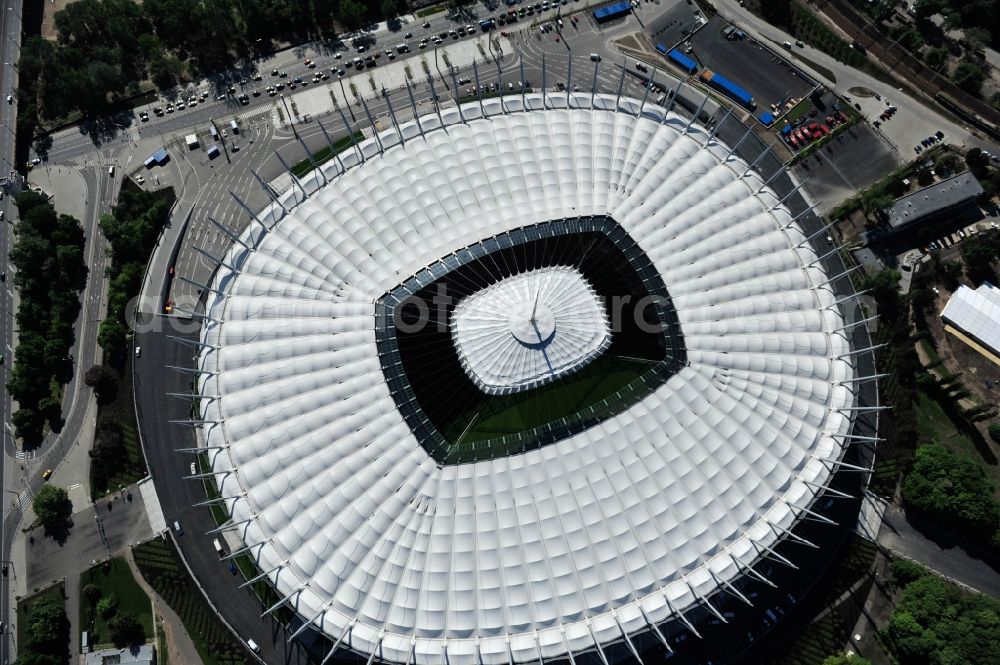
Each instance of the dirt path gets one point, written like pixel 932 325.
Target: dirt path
pixel 180 648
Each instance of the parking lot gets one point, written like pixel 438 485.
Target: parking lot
pixel 675 24
pixel 851 161
pixel 767 76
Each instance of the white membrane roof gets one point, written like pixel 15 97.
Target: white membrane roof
pixel 529 329
pixel 534 555
pixel 976 312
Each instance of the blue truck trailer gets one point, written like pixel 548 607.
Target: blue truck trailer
pixel 728 88
pixel 611 12
pixel 682 61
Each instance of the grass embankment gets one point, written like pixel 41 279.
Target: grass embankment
pixel 159 563
pixel 326 154
pixel 114 577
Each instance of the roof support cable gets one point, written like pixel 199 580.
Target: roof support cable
pixel 771 178
pixel 243 550
pixel 252 217
pixel 656 629
pixel 628 641
pixel 203 287
pixel 731 589
pixel 413 105
pixel 829 490
pixel 232 236
pixel 754 574
pixel 350 132
pixel 392 115
pixel 801 214
pixel 815 234
pixel 776 557
pixel 309 156
pixel 817 516
pixel 794 537
pixel 197 423
pixel 710 606
pixel 789 194
pixel 841 275
pixel 673 96
pixel 371 121
pixel 697 114
pixel 216 260
pixel 271 194
pixel 645 94
pixel 621 85
pixel 301 629
pixel 284 600
pixel 343 634
pixel 229 525
pixel 754 163
pixel 732 151
pixel 681 616
pixel 295 179
pixel 718 125
pixel 193 396
pixel 330 144
pixel 597 644
pixel 258 578
pixel 190 370
pixel 861 379
pixel 837 303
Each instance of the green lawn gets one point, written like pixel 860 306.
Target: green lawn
pixel 326 154
pixel 25 605
pixel 430 11
pixel 485 424
pixel 115 577
pixel 162 569
pixel 933 424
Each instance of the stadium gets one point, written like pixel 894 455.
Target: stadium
pixel 529 379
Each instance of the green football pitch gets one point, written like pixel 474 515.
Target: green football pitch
pixel 479 428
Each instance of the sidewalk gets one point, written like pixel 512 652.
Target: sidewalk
pixel 180 648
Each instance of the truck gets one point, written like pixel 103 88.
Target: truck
pixel 218 547
pixel 611 12
pixel 233 126
pixel 682 61
pixel 728 88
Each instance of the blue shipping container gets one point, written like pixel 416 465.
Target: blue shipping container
pixel 661 48
pixel 684 62
pixel 736 92
pixel 609 12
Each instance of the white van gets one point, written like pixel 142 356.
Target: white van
pixel 233 126
pixel 252 646
pixel 111 170
pixel 218 547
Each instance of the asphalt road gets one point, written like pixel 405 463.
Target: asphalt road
pixel 162 437
pixel 10 39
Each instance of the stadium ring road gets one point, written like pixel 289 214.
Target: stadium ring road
pixel 605 541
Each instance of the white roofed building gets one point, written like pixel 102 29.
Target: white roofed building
pixel 512 383
pixel 975 316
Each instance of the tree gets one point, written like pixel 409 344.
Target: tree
pixel 52 507
pixel 969 77
pixel 994 431
pixel 350 13
pixel 104 382
pixel 936 58
pixel 28 423
pixel 92 594
pixel 48 628
pixel 776 12
pixel 107 606
pixel 952 489
pixel 33 658
pixel 125 630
